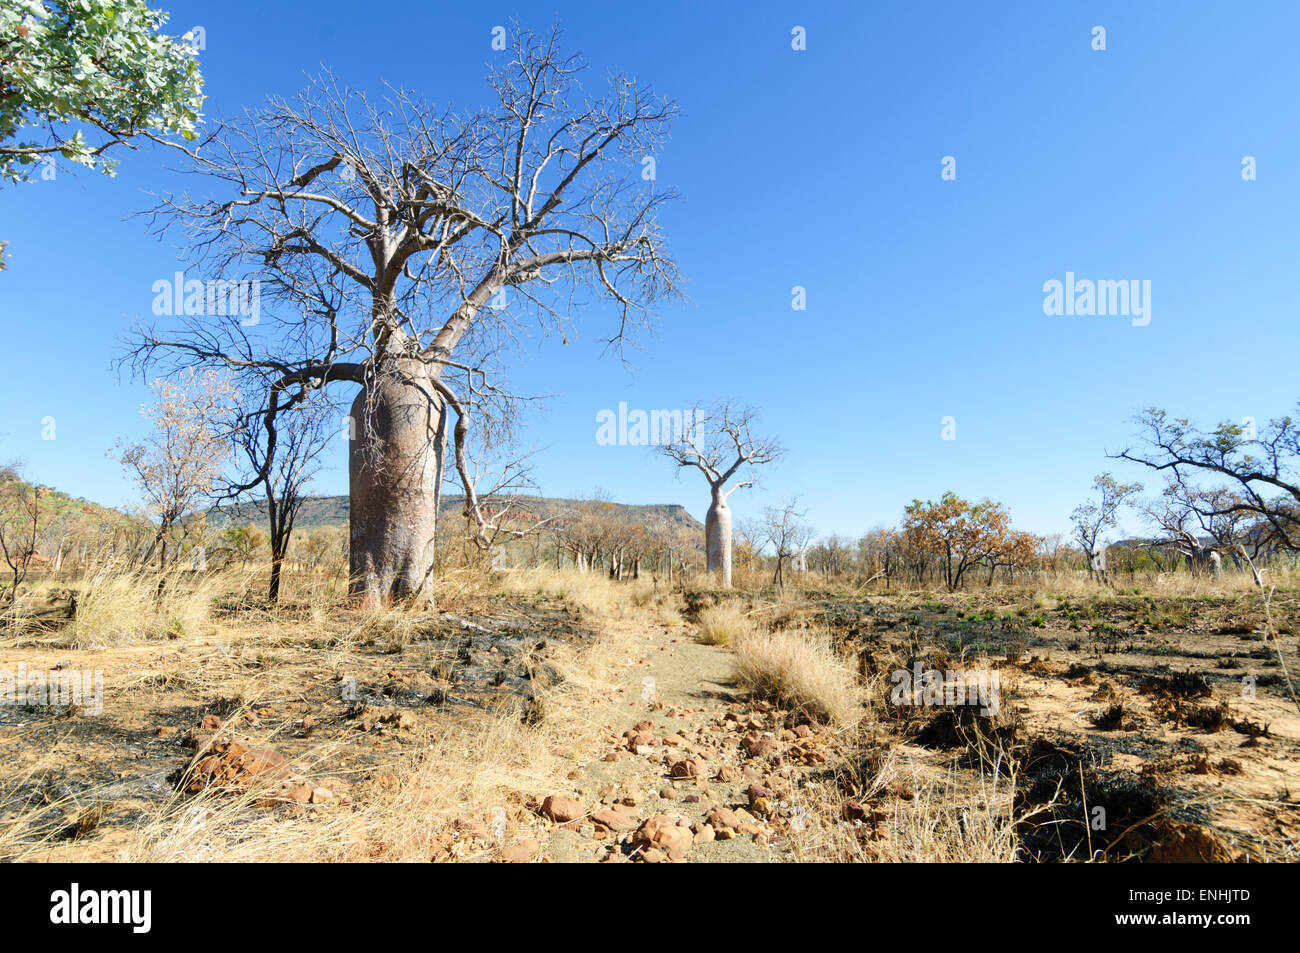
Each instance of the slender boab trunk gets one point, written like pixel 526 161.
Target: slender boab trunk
pixel 717 536
pixel 395 464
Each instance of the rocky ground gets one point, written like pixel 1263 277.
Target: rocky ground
pixel 536 730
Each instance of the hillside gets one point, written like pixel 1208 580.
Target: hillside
pixel 320 511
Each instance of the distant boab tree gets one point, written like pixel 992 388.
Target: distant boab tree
pixel 400 248
pixel 720 444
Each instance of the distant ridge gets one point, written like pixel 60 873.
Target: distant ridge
pixel 318 511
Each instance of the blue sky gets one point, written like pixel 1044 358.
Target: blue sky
pixel 818 168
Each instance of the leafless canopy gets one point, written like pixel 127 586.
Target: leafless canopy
pixel 783 529
pixel 722 444
pixel 388 235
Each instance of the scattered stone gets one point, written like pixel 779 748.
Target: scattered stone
pixel 562 809
pixel 234 766
pixel 721 817
pixel 688 768
pixel 616 819
pixel 520 853
pixel 666 833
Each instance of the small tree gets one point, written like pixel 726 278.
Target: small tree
pixel 719 443
pixel 783 529
pixel 1094 517
pixel 20 518
pixel 181 460
pixel 959 533
pixel 282 450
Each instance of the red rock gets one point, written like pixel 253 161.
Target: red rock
pixel 640 741
pixel 664 832
pixel 689 768
pixel 721 817
pixel 616 819
pixel 853 810
pixel 562 809
pixel 520 853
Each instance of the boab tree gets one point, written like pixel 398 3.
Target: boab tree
pixel 399 249
pixel 719 443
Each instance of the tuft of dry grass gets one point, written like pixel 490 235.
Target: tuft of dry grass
pixel 723 624
pixel 117 605
pixel 799 669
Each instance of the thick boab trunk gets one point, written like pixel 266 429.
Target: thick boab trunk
pixel 395 464
pixel 717 538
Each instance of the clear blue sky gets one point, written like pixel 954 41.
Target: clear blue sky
pixel 818 168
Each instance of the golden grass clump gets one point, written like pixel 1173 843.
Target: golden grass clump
pixel 723 624
pixel 117 605
pixel 799 669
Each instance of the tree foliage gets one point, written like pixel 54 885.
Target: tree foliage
pixel 80 77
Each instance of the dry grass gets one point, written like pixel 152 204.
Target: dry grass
pixel 480 767
pixel 483 766
pixel 723 624
pixel 591 591
pixel 799 669
pixel 467 770
pixel 118 605
pixel 493 767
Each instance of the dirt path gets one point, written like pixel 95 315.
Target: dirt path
pixel 687 768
